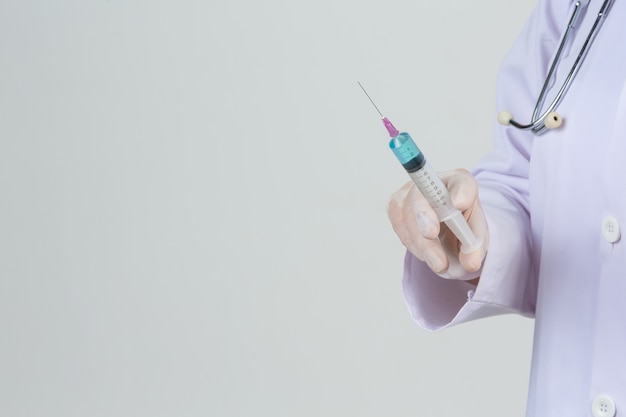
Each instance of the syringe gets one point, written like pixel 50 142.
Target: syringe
pixel 428 182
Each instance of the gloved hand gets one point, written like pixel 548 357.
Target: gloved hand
pixel 420 230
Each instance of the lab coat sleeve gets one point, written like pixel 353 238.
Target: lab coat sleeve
pixel 507 279
pixel 506 283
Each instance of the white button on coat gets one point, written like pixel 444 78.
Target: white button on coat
pixel 610 229
pixel 603 406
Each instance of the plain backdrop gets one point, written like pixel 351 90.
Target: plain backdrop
pixel 192 207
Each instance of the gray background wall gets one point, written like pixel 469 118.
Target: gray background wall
pixel 192 207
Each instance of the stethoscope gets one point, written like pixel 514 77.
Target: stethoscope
pixel 550 119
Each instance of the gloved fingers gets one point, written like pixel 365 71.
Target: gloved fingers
pixel 472 261
pixel 397 216
pixel 463 189
pixel 417 226
pixel 426 222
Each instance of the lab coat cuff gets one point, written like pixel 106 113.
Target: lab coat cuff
pixel 436 303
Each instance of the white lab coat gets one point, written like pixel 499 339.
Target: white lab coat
pixel 554 204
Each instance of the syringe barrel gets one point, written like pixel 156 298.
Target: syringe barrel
pixel 433 189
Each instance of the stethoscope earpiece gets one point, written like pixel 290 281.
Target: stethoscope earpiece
pixel 553 120
pixel 505 117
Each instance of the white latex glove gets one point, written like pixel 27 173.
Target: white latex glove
pixel 420 230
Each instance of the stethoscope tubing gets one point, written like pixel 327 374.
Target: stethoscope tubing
pixel 549 118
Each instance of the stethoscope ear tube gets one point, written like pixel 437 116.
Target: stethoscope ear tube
pixel 550 119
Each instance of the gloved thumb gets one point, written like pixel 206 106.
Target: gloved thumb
pixel 464 195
